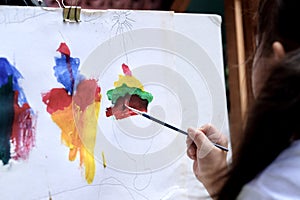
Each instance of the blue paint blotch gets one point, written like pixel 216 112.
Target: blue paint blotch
pixel 62 71
pixel 7 70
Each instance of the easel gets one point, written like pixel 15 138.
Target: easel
pixel 240 43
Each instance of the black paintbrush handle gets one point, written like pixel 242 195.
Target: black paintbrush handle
pixel 176 129
pixel 164 124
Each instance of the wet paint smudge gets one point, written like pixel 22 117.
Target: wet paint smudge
pixel 7 99
pixel 128 91
pixel 17 122
pixel 66 68
pixel 75 112
pixel 57 99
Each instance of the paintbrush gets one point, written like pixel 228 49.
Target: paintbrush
pixel 168 125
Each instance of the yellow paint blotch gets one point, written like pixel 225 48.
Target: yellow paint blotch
pixel 78 133
pixel 130 81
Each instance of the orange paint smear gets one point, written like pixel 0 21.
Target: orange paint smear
pixel 77 121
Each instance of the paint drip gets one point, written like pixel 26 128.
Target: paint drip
pixel 75 110
pixel 17 121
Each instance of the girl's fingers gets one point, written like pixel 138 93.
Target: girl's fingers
pixel 191 151
pixel 214 134
pixel 203 144
pixel 196 136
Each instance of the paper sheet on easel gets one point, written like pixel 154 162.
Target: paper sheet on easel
pixel 176 57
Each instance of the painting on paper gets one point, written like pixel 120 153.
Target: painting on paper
pixel 17 123
pixel 65 128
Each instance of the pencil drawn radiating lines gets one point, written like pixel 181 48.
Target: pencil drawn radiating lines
pixel 122 22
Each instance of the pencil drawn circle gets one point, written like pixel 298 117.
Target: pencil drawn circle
pixel 183 67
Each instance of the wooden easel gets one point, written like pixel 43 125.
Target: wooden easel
pixel 240 46
pixel 180 5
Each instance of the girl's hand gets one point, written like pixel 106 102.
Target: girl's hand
pixel 209 161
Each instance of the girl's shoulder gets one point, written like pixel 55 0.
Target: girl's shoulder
pixel 280 180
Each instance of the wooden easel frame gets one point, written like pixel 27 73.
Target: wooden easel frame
pixel 240 41
pixel 180 5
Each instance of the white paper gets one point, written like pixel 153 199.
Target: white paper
pixel 177 57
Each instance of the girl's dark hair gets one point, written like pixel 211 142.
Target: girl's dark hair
pixel 272 123
pixel 278 21
pixel 166 4
pixel 274 119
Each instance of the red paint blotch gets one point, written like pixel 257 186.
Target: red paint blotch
pixel 120 111
pixel 23 130
pixel 64 49
pixel 87 92
pixel 126 70
pixel 57 99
